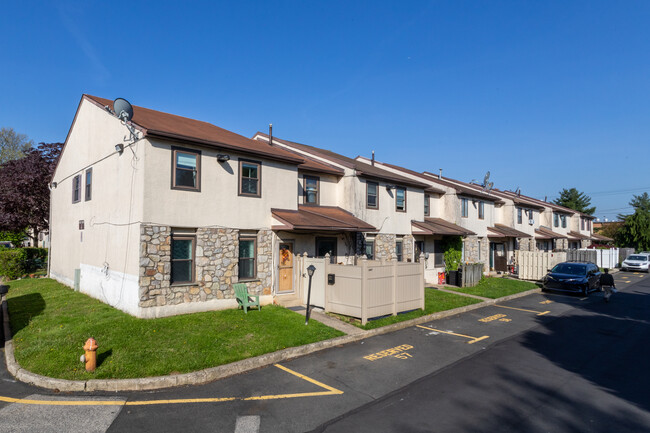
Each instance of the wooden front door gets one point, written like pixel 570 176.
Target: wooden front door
pixel 500 261
pixel 286 268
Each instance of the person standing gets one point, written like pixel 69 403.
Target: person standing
pixel 607 283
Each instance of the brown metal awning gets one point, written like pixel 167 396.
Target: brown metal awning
pixel 438 226
pixel 546 234
pixel 319 218
pixel 502 231
pixel 575 236
pixel 601 238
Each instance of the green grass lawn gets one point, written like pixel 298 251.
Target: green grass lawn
pixel 495 287
pixel 51 322
pixel 434 301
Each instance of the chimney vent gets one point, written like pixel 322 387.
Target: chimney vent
pixel 440 173
pixel 270 133
pixel 372 161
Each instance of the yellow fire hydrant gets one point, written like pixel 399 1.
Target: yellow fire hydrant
pixel 90 355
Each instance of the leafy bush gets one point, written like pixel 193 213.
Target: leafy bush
pixel 453 252
pixel 17 262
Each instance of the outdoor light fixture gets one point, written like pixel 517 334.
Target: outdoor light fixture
pixel 119 148
pixel 310 272
pixel 223 158
pixel 53 185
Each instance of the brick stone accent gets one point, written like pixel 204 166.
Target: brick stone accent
pixel 472 251
pixel 527 244
pixel 385 247
pixel 215 266
pixel 562 244
pixel 408 248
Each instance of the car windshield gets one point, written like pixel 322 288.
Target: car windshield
pixel 641 258
pixel 570 269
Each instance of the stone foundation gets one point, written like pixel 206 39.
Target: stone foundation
pixel 215 266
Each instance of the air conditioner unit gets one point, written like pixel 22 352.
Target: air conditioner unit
pixel 531 221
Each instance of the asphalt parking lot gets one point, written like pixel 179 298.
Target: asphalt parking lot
pixel 306 392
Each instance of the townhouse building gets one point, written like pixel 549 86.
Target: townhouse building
pixel 161 214
pixel 385 200
pixel 165 221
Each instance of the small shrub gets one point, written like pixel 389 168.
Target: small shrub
pixel 11 263
pixel 17 262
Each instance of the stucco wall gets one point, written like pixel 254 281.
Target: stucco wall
pixel 472 221
pixel 218 202
pixel 525 226
pixel 386 218
pixel 328 193
pixel 106 250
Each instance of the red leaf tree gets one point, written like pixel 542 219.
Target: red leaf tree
pixel 24 190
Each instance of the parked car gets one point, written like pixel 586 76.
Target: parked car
pixel 575 277
pixel 636 262
pixel 6 244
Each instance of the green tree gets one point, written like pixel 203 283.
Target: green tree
pixel 635 232
pixel 576 200
pixel 16 238
pixel 13 145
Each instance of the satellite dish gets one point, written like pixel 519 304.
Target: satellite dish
pixel 123 109
pixel 486 178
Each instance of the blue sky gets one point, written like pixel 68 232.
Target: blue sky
pixel 544 94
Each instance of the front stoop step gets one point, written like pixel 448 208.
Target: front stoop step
pixel 288 301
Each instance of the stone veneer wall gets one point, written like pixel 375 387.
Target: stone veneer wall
pixel 215 266
pixel 584 243
pixel 562 244
pixel 527 244
pixel 385 247
pixel 408 248
pixel 472 253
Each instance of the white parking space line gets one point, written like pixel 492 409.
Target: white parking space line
pixel 247 424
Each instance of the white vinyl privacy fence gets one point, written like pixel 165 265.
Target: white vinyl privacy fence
pixel 368 289
pixel 603 258
pixel 533 265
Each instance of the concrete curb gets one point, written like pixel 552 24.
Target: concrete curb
pixel 222 371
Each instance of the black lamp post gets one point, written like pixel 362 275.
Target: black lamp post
pixel 310 272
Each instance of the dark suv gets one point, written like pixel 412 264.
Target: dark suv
pixel 575 277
